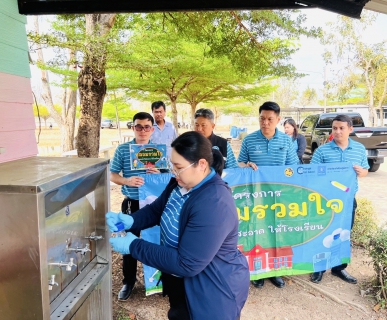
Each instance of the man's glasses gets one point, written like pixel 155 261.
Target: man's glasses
pixel 175 172
pixel 139 128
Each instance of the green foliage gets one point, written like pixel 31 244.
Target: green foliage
pixel 41 111
pixel 365 223
pixel 286 92
pixel 123 110
pixel 378 253
pixel 257 42
pixel 363 66
pixel 242 110
pixel 308 97
pixel 122 315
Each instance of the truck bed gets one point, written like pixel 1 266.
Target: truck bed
pixel 371 137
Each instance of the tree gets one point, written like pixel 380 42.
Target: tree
pixel 92 83
pixel 361 63
pixel 308 97
pixel 159 65
pixel 93 40
pixel 42 112
pixel 257 44
pixel 162 60
pixel 286 92
pixel 123 109
pixel 65 68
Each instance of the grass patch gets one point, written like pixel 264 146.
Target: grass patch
pixel 366 223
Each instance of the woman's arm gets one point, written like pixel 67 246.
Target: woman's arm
pixel 150 215
pixel 207 229
pixel 301 141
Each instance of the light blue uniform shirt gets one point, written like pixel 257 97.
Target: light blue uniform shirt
pixel 165 136
pixel 121 163
pixel 230 161
pixel 278 151
pixel 355 153
pixel 169 224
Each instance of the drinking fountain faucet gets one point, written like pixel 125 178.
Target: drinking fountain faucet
pixel 52 282
pixel 94 237
pixel 68 265
pixel 82 251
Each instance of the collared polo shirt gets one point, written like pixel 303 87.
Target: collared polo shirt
pixel 121 163
pixel 169 224
pixel 230 161
pixel 164 136
pixel 355 153
pixel 278 151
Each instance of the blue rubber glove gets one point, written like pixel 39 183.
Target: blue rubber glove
pixel 122 244
pixel 113 218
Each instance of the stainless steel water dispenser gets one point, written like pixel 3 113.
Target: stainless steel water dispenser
pixel 55 258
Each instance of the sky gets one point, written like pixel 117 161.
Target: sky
pixel 307 60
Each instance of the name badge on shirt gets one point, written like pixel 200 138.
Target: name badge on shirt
pixel 257 149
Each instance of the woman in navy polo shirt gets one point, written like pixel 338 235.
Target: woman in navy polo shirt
pixel 203 273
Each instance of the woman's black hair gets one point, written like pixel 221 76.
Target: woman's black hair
pixel 294 125
pixel 193 146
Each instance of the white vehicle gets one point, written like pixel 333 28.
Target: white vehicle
pixel 108 123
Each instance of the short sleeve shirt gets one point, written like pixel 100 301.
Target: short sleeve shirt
pixel 164 136
pixel 121 163
pixel 278 151
pixel 355 153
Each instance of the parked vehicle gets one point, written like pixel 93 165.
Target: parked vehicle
pixel 284 119
pixel 129 124
pixel 108 123
pixel 317 130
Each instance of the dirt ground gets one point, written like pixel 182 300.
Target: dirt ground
pixel 299 300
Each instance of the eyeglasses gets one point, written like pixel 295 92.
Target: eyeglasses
pixel 176 172
pixel 139 128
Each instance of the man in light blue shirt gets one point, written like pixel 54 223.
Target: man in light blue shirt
pixel 342 149
pixel 164 131
pixel 122 173
pixel 267 147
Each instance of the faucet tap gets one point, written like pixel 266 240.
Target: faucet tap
pixel 94 237
pixel 68 265
pixel 52 282
pixel 81 250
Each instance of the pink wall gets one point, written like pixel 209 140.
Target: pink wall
pixel 17 126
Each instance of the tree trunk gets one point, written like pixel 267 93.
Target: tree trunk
pixel 66 120
pixel 68 112
pixel 380 105
pixel 193 109
pixel 370 89
pixel 46 90
pixel 92 84
pixel 68 128
pixel 92 93
pixel 174 111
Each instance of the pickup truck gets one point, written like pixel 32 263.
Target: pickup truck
pixel 317 130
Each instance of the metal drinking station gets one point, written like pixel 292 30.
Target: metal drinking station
pixel 55 257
